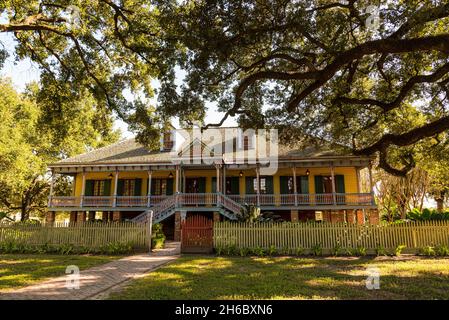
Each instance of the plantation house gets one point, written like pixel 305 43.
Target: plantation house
pixel 125 180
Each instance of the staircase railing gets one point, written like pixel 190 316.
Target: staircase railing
pixel 229 204
pixel 185 199
pixel 158 210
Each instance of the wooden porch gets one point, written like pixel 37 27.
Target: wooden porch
pixel 272 201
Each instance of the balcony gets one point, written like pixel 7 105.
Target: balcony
pixel 275 201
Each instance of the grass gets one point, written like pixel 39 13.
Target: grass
pixel 204 277
pixel 18 270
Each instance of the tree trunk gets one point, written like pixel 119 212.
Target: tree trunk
pixel 440 204
pixel 24 214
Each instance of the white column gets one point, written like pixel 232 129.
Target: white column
pixel 258 185
pixel 333 184
pixel 371 184
pixel 223 189
pixel 150 174
pixel 218 183
pixel 115 188
pixel 217 169
pixel 177 180
pixel 359 187
pixel 83 188
pixel 183 184
pixel 295 187
pixel 52 182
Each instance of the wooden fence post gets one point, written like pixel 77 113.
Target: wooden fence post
pixel 150 227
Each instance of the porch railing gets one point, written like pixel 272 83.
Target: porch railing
pixel 213 199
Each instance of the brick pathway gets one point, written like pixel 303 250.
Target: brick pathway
pixel 97 280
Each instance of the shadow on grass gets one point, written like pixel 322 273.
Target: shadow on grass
pixel 18 270
pixel 207 277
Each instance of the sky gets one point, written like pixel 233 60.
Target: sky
pixel 25 71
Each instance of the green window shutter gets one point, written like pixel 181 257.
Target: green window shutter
pixel 235 186
pixel 202 185
pixel 250 185
pixel 303 184
pixel 153 186
pixel 107 188
pixel 89 188
pixel 137 187
pixel 269 185
pixel 120 187
pixel 340 183
pixel 284 184
pixel 319 184
pixel 214 184
pixel 170 187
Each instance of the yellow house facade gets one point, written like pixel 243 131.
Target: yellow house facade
pixel 127 181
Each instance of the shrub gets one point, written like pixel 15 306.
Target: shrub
pixel 219 250
pixel 158 243
pixel 337 250
pixel 157 237
pixel 272 250
pixel 258 251
pixel 116 248
pixel 442 250
pixel 299 251
pixel 243 252
pixel 380 250
pixel 427 251
pixel 230 250
pixel 66 249
pixel 360 251
pixel 286 251
pixel 398 250
pixel 317 249
pixel 350 252
pixel 427 214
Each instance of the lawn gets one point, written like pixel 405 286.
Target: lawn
pixel 18 270
pixel 204 277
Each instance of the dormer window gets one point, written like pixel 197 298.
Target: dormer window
pixel 247 143
pixel 248 140
pixel 168 141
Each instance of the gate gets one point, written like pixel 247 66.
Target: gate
pixel 197 235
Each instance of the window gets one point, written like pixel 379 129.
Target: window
pixel 128 187
pixel 323 184
pixel 263 185
pixel 232 185
pixel 246 142
pixel 159 187
pixel 266 185
pixel 288 187
pixel 249 142
pixel 167 141
pixel 97 188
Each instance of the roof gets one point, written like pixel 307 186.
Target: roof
pixel 123 152
pixel 132 152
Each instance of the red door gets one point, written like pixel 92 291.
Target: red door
pixel 197 234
